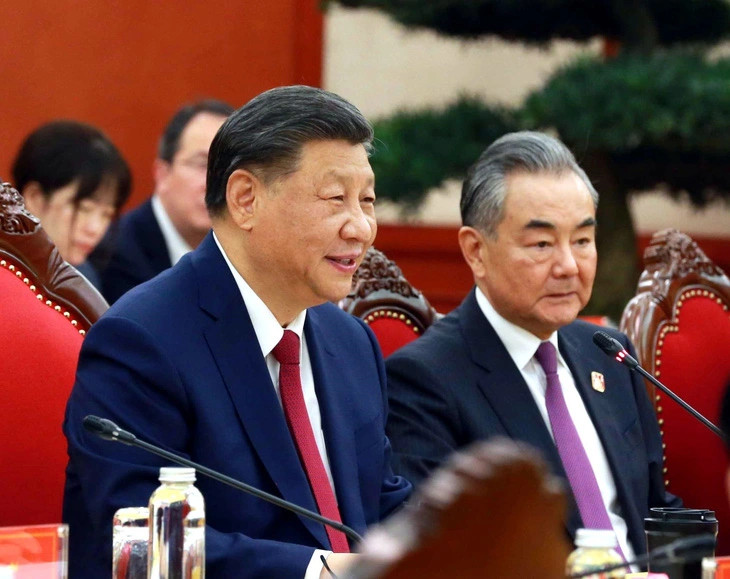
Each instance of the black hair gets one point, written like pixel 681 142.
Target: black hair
pixel 267 134
pixel 170 140
pixel 61 152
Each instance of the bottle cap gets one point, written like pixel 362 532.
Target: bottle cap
pixel 595 538
pixel 177 474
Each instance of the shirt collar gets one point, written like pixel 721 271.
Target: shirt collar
pixel 267 328
pixel 176 245
pixel 520 344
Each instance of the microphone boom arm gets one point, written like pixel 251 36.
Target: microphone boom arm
pixel 679 401
pixel 615 349
pixel 107 430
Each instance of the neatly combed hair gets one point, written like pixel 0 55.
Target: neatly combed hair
pixel 62 152
pixel 170 140
pixel 484 189
pixel 267 134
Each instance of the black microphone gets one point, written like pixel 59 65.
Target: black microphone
pixel 107 430
pixel 613 348
pixel 685 550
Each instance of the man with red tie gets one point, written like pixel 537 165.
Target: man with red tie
pixel 237 358
pixel 512 360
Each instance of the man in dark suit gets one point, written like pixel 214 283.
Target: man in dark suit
pixel 155 235
pixel 196 360
pixel 512 360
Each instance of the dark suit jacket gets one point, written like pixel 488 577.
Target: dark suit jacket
pixel 177 362
pixel 457 384
pixel 136 252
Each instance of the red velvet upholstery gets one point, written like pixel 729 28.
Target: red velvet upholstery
pixel 45 308
pixel 395 311
pixel 680 322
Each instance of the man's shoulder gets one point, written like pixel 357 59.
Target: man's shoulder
pixel 443 340
pixel 585 330
pixel 329 316
pixel 173 289
pixel 138 220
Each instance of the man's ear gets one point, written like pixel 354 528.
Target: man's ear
pixel 242 192
pixel 34 198
pixel 473 246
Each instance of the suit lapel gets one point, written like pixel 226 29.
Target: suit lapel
pixel 504 387
pixel 331 381
pixel 234 346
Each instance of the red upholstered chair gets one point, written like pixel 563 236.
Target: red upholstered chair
pixel 680 324
pixel 395 311
pixel 46 306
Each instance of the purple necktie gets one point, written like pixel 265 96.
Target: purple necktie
pixel 572 454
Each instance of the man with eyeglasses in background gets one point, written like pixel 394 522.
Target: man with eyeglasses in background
pixel 155 235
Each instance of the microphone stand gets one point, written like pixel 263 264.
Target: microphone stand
pixel 615 349
pixel 107 430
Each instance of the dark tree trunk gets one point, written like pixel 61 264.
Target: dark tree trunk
pixel 638 27
pixel 618 263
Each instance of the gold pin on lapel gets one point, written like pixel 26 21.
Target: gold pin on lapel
pixel 598 382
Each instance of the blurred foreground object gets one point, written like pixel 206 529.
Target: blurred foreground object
pixel 492 510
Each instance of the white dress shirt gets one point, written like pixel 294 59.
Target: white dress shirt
pixel 269 333
pixel 521 346
pixel 176 245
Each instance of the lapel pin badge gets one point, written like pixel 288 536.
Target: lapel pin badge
pixel 598 382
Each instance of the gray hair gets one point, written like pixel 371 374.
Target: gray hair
pixel 484 189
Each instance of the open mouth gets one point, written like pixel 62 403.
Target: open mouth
pixel 346 261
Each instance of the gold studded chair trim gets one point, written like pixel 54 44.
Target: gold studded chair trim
pixel 27 252
pixel 679 321
pixel 382 297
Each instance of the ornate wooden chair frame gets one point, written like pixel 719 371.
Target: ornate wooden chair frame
pixel 679 285
pixel 40 344
pixel 28 252
pixel 675 269
pixel 381 292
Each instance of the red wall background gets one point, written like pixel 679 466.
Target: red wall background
pixel 127 66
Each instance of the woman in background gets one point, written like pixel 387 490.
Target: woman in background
pixel 75 181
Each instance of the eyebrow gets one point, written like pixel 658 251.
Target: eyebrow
pixel 345 175
pixel 541 224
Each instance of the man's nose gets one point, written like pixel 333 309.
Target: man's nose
pixel 359 226
pixel 566 262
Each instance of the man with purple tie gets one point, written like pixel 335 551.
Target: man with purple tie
pixel 512 360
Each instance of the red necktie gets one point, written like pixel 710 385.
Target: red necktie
pixel 290 385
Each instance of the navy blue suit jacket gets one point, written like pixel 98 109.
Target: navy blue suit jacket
pixel 177 362
pixel 457 384
pixel 137 252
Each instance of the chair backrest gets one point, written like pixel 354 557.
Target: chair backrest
pixel 492 510
pixel 381 296
pixel 46 307
pixel 679 321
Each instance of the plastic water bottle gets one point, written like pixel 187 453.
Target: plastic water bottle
pixel 177 527
pixel 595 549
